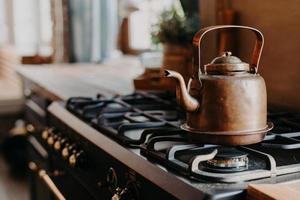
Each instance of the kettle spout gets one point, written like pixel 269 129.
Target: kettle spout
pixel 189 103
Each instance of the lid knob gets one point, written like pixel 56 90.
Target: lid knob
pixel 227 53
pixel 226 63
pixel 226 58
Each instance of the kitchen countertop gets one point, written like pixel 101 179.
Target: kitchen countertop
pixel 62 81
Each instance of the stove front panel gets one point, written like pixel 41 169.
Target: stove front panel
pixel 100 174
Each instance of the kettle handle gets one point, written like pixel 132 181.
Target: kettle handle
pixel 259 43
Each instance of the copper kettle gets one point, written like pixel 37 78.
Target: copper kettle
pixel 226 100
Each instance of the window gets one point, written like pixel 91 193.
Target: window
pixel 3 27
pixel 141 21
pixel 31 26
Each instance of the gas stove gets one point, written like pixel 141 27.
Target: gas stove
pixel 132 147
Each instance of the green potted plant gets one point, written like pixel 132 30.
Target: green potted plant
pixel 175 32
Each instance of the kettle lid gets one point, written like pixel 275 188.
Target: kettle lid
pixel 226 63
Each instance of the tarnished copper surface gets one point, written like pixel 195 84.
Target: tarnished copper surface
pixel 226 96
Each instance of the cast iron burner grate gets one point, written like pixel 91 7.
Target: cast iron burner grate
pixel 128 119
pixel 253 161
pixel 150 121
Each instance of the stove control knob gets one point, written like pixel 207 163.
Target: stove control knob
pixel 60 143
pixel 117 195
pixel 51 139
pixel 130 192
pixel 67 150
pixel 77 159
pixel 46 133
pixel 30 128
pixel 112 179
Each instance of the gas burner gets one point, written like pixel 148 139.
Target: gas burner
pixel 228 160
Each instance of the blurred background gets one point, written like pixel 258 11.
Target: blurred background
pixel 49 31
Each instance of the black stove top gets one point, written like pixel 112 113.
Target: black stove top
pixel 129 119
pixel 150 122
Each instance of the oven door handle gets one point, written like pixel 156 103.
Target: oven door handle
pixel 51 185
pixel 47 180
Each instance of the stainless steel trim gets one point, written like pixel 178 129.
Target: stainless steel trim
pixel 36 108
pixel 47 180
pixel 38 147
pixel 51 185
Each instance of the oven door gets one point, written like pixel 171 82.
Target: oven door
pixel 48 179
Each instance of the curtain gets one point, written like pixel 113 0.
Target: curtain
pixel 61 34
pixel 2 24
pixel 109 28
pixel 93 29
